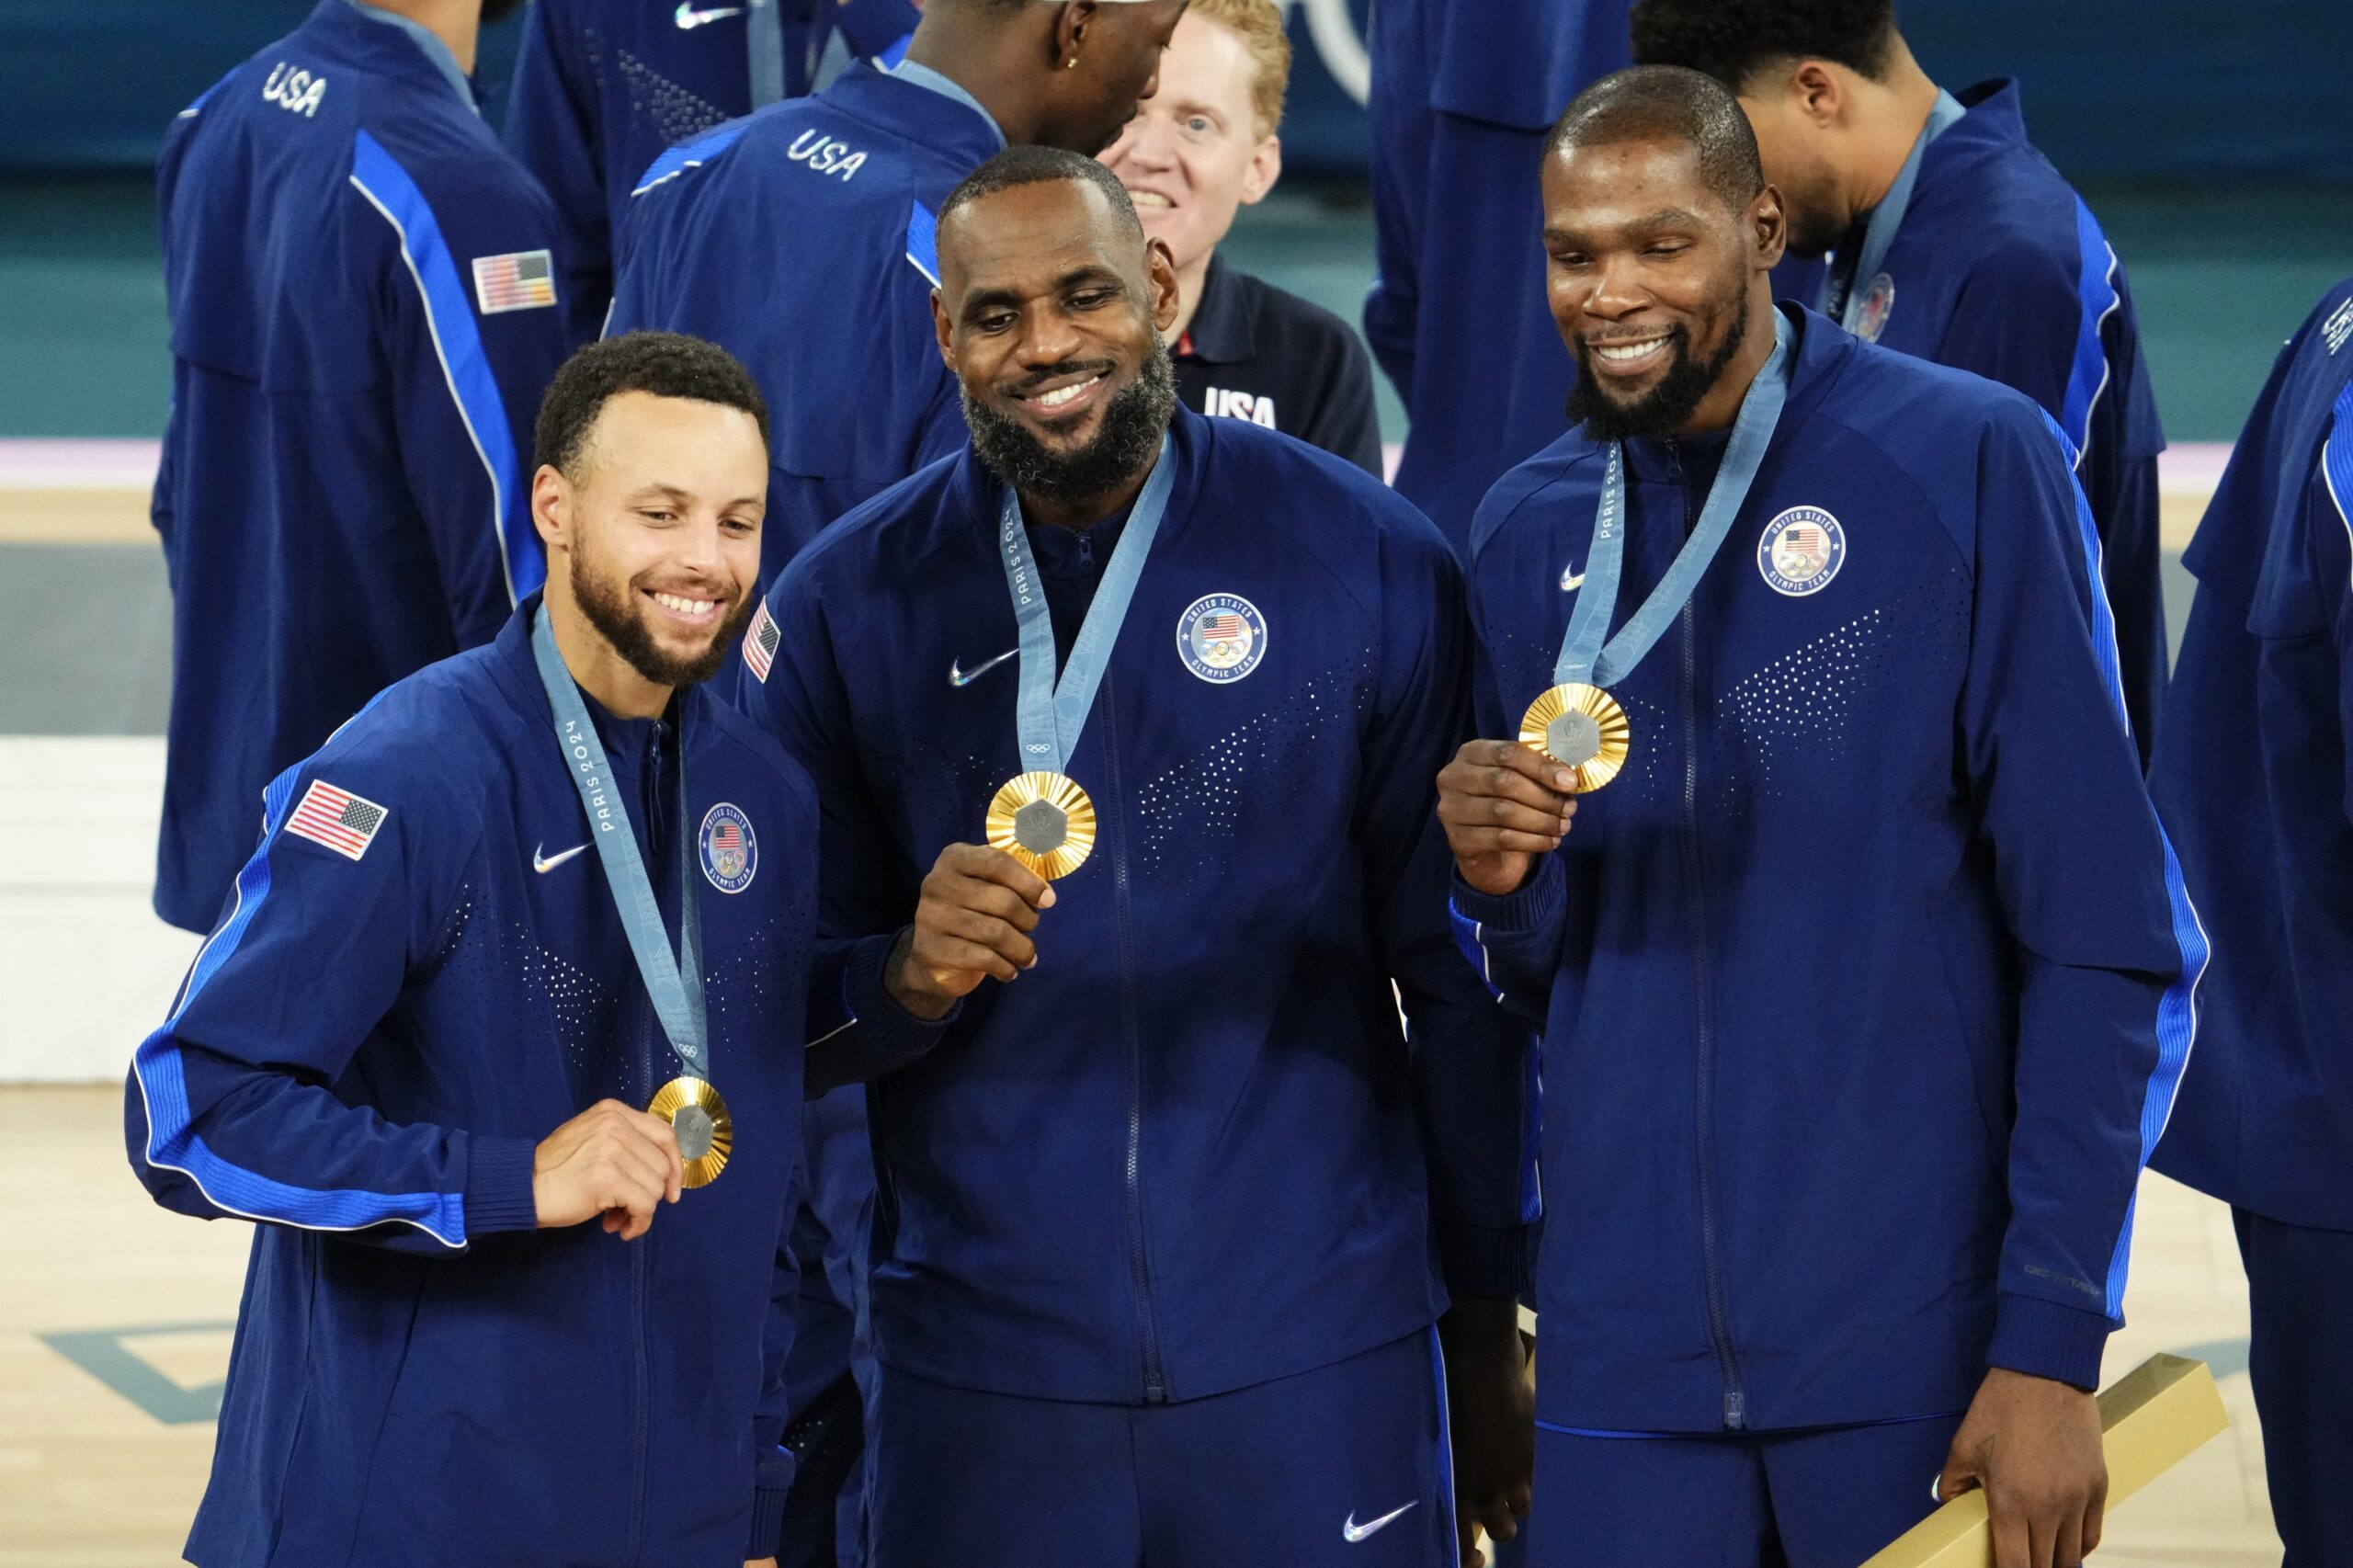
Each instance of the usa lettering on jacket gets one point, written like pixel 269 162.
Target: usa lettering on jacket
pixel 826 156
pixel 294 90
pixel 1225 404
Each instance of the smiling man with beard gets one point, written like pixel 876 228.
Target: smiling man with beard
pixel 528 945
pixel 1157 1253
pixel 1866 982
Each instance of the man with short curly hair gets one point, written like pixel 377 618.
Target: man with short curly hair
pixel 1950 237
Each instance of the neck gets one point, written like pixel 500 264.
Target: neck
pixel 982 58
pixel 1892 113
pixel 1086 511
pixel 1722 405
pixel 457 23
pixel 1190 279
pixel 596 667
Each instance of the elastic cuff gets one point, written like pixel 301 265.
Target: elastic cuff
pixel 768 1521
pixel 1537 900
pixel 2044 1339
pixel 498 1185
pixel 885 1028
pixel 1482 1264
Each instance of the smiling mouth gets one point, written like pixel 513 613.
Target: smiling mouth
pixel 1060 398
pixel 1150 198
pixel 693 610
pixel 1629 353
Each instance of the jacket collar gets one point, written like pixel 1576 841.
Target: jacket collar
pixel 1222 331
pixel 973 490
pixel 517 672
pixel 916 111
pixel 1822 348
pixel 394 44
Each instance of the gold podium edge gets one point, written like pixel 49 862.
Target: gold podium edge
pixel 2150 1419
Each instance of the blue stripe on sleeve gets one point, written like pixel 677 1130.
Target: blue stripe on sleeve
pixel 690 154
pixel 2336 456
pixel 172 1142
pixel 1531 1139
pixel 464 363
pixel 1469 936
pixel 923 242
pixel 2177 1008
pixel 894 52
pixel 2097 299
pixel 1444 1426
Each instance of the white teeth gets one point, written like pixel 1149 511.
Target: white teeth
pixel 1062 395
pixel 697 607
pixel 1149 199
pixel 1629 350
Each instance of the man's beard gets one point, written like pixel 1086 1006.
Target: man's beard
pixel 1133 422
pixel 611 609
pixel 1666 407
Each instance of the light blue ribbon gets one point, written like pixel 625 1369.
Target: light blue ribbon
pixel 1050 713
pixel 764 43
pixel 1840 297
pixel 1584 659
pixel 674 981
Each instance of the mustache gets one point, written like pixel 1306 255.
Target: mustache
pixel 1040 377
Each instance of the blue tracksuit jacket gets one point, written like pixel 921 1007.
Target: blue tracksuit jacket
pixel 363 1059
pixel 800 241
pixel 2000 268
pixel 2253 779
pixel 363 318
pixel 603 87
pixel 1865 986
pixel 1181 1155
pixel 1463 92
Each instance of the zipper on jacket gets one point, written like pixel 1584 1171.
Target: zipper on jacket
pixel 1711 1261
pixel 1155 1382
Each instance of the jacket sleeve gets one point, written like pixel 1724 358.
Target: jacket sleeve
pixel 1515 942
pixel 1402 125
pixel 241 1103
pixel 553 129
pixel 2107 947
pixel 866 886
pixel 772 1463
pixel 469 356
pixel 1470 1060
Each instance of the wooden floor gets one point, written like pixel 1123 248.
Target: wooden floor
pixel 115 1319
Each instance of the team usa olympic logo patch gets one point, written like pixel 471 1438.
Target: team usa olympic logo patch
pixel 730 853
pixel 1221 637
pixel 1879 301
pixel 1802 550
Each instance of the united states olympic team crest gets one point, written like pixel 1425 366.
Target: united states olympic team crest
pixel 1879 303
pixel 1221 637
pixel 730 853
pixel 1802 550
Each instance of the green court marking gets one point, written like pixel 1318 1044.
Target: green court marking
pixel 103 1354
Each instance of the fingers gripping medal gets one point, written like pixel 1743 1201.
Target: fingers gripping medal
pixel 1576 723
pixel 1042 817
pixel 692 1107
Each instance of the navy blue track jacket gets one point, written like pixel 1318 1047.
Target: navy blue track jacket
pixel 2000 268
pixel 421 975
pixel 1865 986
pixel 1181 1155
pixel 603 87
pixel 2255 778
pixel 799 240
pixel 1463 92
pixel 363 315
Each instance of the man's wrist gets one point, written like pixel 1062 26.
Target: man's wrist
pixel 928 1005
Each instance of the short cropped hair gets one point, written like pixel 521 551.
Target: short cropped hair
pixel 1668 103
pixel 1260 24
pixel 1732 40
pixel 666 364
pixel 1032 164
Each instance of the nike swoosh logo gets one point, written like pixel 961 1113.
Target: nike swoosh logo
pixel 1571 581
pixel 543 864
pixel 958 675
pixel 1353 1532
pixel 689 17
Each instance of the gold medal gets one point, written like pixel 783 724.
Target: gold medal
pixel 1044 821
pixel 698 1118
pixel 1582 728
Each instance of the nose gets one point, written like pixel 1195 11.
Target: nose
pixel 1617 289
pixel 1146 145
pixel 1049 337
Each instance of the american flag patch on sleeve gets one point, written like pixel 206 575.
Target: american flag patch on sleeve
pixel 760 643
pixel 519 281
pixel 337 818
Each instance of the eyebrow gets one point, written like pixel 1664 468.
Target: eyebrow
pixel 1664 218
pixel 660 489
pixel 988 299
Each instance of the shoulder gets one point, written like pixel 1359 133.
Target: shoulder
pixel 434 745
pixel 454 166
pixel 1331 511
pixel 731 728
pixel 882 536
pixel 1571 461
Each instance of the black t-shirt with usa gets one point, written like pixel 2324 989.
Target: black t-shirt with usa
pixel 1255 352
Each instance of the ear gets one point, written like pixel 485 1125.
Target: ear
pixel 1160 277
pixel 1266 168
pixel 551 502
pixel 943 329
pixel 1818 91
pixel 1769 230
pixel 1070 26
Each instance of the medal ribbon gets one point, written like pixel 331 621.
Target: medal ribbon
pixel 1050 713
pixel 1584 659
pixel 675 981
pixel 1838 297
pixel 764 44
